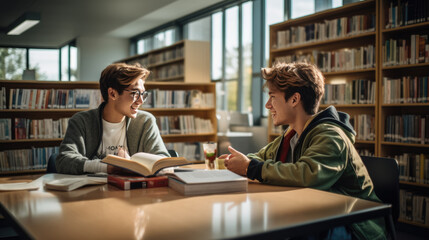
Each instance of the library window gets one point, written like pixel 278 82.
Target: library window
pixel 274 13
pixel 144 45
pixel 65 54
pixel 301 8
pixel 247 54
pixel 198 30
pixel 231 44
pixel 45 62
pixel 216 46
pixel 68 63
pixel 58 64
pixel 73 63
pixel 232 57
pixel 164 38
pixel 12 63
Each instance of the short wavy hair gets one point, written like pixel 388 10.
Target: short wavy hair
pixel 303 78
pixel 119 76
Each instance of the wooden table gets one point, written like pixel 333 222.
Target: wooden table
pixel 106 212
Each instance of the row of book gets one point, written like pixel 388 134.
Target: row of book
pixel 23 128
pixel 413 167
pixel 3 104
pixel 25 159
pixel 179 99
pixel 364 126
pixel 359 91
pixel 413 207
pixel 192 151
pixel 406 51
pixel 183 124
pixel 406 12
pixel 336 61
pixel 161 57
pixel 54 98
pixel 406 89
pixel 407 128
pixel 326 30
pixel 168 71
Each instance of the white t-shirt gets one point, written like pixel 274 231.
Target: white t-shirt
pixel 114 137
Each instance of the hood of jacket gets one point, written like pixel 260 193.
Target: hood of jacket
pixel 331 115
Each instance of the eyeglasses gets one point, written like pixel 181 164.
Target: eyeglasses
pixel 136 94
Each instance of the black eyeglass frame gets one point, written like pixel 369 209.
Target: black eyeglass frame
pixel 136 94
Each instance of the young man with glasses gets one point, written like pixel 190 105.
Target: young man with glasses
pixel 316 150
pixel 116 127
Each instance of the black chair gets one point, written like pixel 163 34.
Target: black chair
pixel 384 173
pixel 50 168
pixel 173 153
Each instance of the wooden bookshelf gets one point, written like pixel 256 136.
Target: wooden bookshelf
pixel 401 32
pixel 351 40
pixel 201 112
pixel 22 145
pixel 185 61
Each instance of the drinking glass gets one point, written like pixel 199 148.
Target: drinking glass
pixel 210 152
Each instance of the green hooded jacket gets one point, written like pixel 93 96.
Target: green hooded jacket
pixel 324 158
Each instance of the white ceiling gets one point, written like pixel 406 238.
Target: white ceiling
pixel 65 20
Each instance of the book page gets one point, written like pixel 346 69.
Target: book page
pixel 146 159
pixel 209 176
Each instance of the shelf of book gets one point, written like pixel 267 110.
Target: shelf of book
pixel 16 141
pixel 425 185
pixel 350 72
pixel 34 120
pixel 196 137
pixel 404 102
pixel 322 38
pixel 416 145
pixel 180 109
pixel 322 43
pixel 185 61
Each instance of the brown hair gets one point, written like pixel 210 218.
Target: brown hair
pixel 119 76
pixel 304 78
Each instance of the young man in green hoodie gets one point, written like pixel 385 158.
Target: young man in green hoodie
pixel 316 150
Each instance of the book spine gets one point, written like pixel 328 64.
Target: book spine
pixel 125 184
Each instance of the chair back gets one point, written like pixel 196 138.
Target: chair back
pixel 50 168
pixel 173 153
pixel 384 173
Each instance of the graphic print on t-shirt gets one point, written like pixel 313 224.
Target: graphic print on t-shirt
pixel 114 137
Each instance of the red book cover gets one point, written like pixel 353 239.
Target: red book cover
pixel 135 182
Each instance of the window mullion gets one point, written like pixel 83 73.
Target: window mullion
pixel 240 94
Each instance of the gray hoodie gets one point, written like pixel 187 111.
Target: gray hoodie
pixel 84 134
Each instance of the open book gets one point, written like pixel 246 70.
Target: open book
pixel 200 182
pixel 145 164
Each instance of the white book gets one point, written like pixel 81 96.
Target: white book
pixel 70 184
pixel 207 182
pixel 19 186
